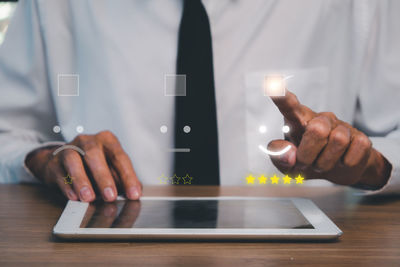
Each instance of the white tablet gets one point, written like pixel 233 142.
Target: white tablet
pixel 196 218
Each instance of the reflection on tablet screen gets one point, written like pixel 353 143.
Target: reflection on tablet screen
pixel 278 214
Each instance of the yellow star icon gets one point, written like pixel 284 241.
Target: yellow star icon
pixel 287 179
pixel 262 179
pixel 187 179
pixel 274 179
pixel 299 179
pixel 68 179
pixel 175 179
pixel 250 179
pixel 163 179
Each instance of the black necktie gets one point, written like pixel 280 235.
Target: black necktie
pixel 198 108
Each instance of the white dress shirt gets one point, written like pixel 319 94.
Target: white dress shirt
pixel 342 56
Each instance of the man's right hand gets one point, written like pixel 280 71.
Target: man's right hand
pixel 104 168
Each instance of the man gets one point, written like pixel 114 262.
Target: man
pixel 336 56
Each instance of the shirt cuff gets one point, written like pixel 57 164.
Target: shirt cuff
pixel 389 148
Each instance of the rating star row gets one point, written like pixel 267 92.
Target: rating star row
pixel 262 179
pixel 175 179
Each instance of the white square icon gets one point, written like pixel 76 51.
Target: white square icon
pixel 175 85
pixel 68 84
pixel 274 85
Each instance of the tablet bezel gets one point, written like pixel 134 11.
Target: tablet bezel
pixel 68 226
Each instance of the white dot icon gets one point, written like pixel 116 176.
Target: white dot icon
pixel 285 129
pixel 163 129
pixel 186 129
pixel 56 129
pixel 79 129
pixel 262 129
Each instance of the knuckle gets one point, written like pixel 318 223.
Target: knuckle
pixel 340 138
pixel 89 144
pixel 92 151
pixel 114 147
pixel 318 128
pixel 350 163
pixel 330 115
pixel 362 141
pixel 81 138
pixel 106 134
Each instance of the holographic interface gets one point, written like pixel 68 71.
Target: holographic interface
pixel 263 129
pixel 175 180
pixel 186 129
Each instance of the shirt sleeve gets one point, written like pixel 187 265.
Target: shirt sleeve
pixel 378 113
pixel 27 112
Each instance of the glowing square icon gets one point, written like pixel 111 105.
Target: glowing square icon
pixel 274 85
pixel 175 85
pixel 68 84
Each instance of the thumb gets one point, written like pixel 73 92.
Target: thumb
pixel 285 161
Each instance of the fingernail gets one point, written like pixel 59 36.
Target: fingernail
pixel 133 193
pixel 71 195
pixel 109 194
pixel 85 194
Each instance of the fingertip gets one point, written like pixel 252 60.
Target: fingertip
pixel 86 194
pixel 109 194
pixel 287 159
pixel 274 144
pixel 133 193
pixel 71 195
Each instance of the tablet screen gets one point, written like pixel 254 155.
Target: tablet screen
pixel 227 213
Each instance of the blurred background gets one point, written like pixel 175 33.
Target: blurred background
pixel 6 11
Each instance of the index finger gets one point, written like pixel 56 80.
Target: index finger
pixel 292 109
pixel 124 168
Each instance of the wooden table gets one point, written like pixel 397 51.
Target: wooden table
pixel 371 227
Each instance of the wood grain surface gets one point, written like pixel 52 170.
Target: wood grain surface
pixel 371 227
